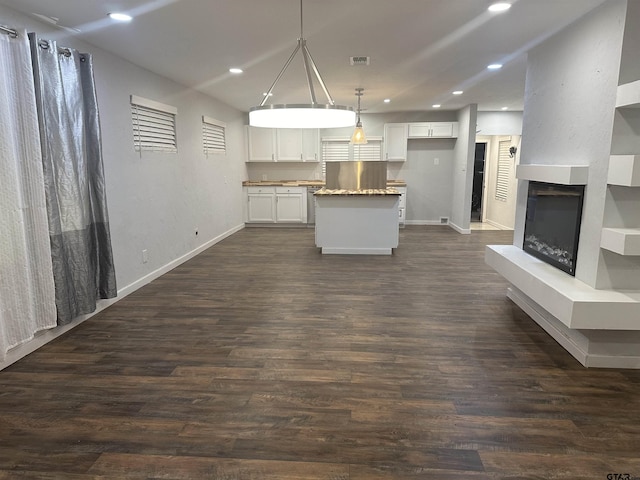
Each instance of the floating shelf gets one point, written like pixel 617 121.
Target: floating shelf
pixel 559 174
pixel 624 170
pixel 628 95
pixel 623 241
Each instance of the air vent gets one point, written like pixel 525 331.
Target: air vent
pixel 355 61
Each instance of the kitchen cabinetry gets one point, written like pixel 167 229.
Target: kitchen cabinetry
pixel 283 145
pixel 402 205
pixel 261 203
pixel 291 205
pixel 395 142
pixel 270 204
pixel 261 143
pixel 433 130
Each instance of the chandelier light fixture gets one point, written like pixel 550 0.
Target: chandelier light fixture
pixel 309 115
pixel 358 137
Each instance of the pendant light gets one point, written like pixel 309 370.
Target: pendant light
pixel 358 137
pixel 311 115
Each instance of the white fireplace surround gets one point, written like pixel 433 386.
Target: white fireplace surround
pixel 600 328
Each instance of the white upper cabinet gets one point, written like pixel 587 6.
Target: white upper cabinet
pixel 289 145
pixel 283 145
pixel 395 142
pixel 261 142
pixel 433 130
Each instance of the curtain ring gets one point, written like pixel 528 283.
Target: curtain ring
pixel 43 44
pixel 64 51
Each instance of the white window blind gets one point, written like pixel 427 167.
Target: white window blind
pixel 370 151
pixel 504 168
pixel 338 149
pixel 334 150
pixel 154 125
pixel 213 136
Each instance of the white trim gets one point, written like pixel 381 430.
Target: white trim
pixel 425 222
pixel 572 341
pixel 213 121
pixel 463 231
pixel 497 225
pixel 556 330
pixel 356 251
pixel 145 102
pixel 559 174
pixel 46 336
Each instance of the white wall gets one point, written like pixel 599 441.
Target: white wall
pixel 157 201
pixel 499 123
pixel 463 169
pixel 568 118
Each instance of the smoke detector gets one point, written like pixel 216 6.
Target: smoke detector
pixel 356 61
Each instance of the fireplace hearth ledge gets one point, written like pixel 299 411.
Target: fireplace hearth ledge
pixel 600 328
pixel 572 302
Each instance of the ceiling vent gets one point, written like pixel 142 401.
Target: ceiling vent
pixel 356 61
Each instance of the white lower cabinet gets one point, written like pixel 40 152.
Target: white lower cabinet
pixel 291 205
pixel 402 205
pixel 276 205
pixel 261 204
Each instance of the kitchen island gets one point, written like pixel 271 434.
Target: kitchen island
pixel 357 222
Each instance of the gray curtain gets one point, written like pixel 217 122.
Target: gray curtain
pixel 74 178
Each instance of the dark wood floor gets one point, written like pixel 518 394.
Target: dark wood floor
pixel 262 359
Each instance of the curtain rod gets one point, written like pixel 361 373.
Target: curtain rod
pixel 8 31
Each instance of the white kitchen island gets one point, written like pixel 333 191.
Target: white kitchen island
pixel 357 222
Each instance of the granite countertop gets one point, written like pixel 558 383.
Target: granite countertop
pixel 368 191
pixel 305 183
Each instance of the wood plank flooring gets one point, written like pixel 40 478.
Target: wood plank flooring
pixel 262 359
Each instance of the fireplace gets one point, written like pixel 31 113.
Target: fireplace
pixel 552 225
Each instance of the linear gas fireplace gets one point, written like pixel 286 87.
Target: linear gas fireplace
pixel 552 226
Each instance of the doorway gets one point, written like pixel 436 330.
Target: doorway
pixel 478 182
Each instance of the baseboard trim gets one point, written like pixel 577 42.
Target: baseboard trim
pixel 45 336
pixel 463 231
pixel 424 222
pixel 497 225
pixel 132 287
pixel 562 334
pixel 566 342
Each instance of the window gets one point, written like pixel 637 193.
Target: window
pixel 504 167
pixel 370 151
pixel 213 136
pixel 341 150
pixel 334 150
pixel 154 125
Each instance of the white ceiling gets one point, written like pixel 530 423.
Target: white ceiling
pixel 421 50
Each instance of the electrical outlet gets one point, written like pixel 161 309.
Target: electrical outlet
pixel 436 161
pixel 264 177
pixel 145 256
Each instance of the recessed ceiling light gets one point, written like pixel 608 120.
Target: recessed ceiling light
pixel 387 100
pixel 120 17
pixel 505 108
pixel 458 92
pixel 499 7
pixel 494 66
pixel 235 70
pixel 437 105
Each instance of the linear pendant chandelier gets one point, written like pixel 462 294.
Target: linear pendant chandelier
pixel 297 115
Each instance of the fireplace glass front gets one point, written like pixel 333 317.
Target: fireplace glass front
pixel 552 226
